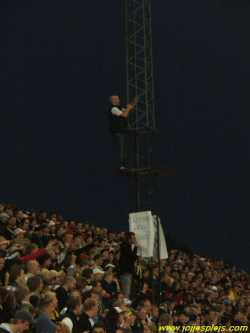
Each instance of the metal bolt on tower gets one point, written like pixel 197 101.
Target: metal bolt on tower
pixel 142 131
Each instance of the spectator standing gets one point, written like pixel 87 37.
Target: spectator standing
pixel 126 262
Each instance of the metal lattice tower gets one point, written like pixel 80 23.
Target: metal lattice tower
pixel 142 130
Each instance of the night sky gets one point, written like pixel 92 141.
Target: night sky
pixel 59 63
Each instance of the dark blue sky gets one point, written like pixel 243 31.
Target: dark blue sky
pixel 59 63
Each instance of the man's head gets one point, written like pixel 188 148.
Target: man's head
pixel 8 210
pixel 91 307
pixel 33 267
pixel 21 321
pixel 155 311
pixel 74 304
pixel 114 100
pixel 237 314
pixel 69 283
pixel 19 214
pixel 183 317
pixel 43 214
pixel 12 221
pixel 3 243
pixel 24 225
pixel 120 296
pixel 97 287
pixel 35 284
pixel 147 305
pixel 4 217
pixel 98 259
pixel 99 327
pixel 236 287
pixel 48 303
pixel 61 230
pixel 87 273
pixel 98 274
pixel 105 253
pixel 2 205
pixel 142 313
pixel 109 277
pixel 16 273
pixel 131 238
pixel 78 239
pixel 45 259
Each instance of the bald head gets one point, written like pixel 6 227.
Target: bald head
pixel 33 266
pixel 114 100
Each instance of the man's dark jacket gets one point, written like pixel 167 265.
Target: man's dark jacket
pixel 75 321
pixel 84 323
pixel 127 259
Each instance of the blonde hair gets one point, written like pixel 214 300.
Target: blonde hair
pixel 65 328
pixel 151 327
pixel 165 319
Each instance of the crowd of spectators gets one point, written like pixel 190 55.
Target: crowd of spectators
pixel 72 276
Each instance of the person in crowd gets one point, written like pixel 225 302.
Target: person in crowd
pixel 62 328
pixel 24 225
pixel 44 323
pixel 209 291
pixel 234 294
pixel 126 262
pixel 97 289
pixel 165 320
pixel 98 261
pixel 62 292
pixel 35 285
pixel 110 285
pixel 19 216
pixel 142 315
pixel 7 304
pixel 71 316
pixel 4 218
pixel 99 327
pixel 20 323
pixel 38 235
pixel 154 314
pixel 182 319
pixel 16 277
pixel 114 319
pixel 22 298
pixel 10 228
pixel 86 321
pixel 32 267
pixel 149 328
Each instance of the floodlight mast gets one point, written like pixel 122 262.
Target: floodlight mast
pixel 142 131
pixel 142 171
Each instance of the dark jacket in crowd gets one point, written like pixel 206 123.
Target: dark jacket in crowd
pixel 75 321
pixel 62 296
pixel 84 323
pixel 128 257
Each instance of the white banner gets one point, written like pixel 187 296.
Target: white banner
pixel 142 225
pixel 162 242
